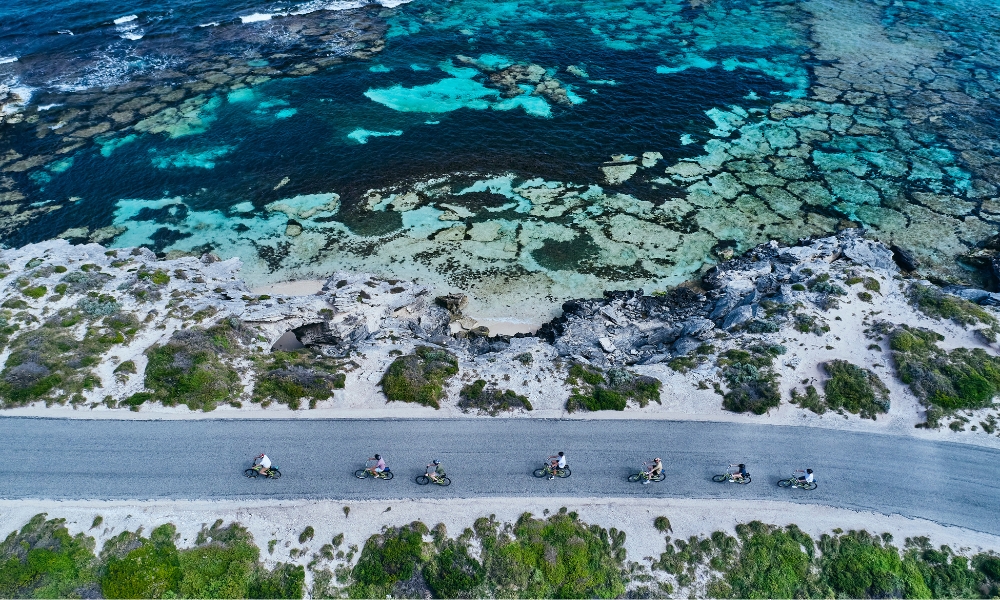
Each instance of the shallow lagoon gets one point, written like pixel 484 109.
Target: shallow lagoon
pixel 522 152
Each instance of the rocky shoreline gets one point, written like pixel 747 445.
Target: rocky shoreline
pixel 780 331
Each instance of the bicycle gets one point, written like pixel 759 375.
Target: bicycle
pixel 644 475
pixel 369 472
pixel 547 470
pixel 253 473
pixel 425 479
pixel 795 482
pixel 731 477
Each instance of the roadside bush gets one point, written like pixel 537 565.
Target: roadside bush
pixel 936 304
pixel 947 381
pixel 753 384
pixel 773 563
pixel 596 389
pixel 386 559
pixel 859 565
pixel 43 560
pixel 291 377
pixel 151 570
pixel 190 368
pixel 811 400
pixel 855 389
pixel 419 377
pixel 489 399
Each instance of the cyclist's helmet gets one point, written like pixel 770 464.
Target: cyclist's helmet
pixel 656 460
pixel 809 471
pixel 261 455
pixel 561 454
pixel 436 461
pixel 378 457
pixel 741 465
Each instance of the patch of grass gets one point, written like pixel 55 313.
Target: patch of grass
pixel 35 292
pixel 292 377
pixel 51 364
pixel 596 389
pixel 860 565
pixel 936 304
pixel 752 382
pixel 525 358
pixel 43 560
pixel 420 377
pixel 821 284
pixel 80 282
pixel 98 520
pixel 15 303
pixel 683 364
pixel 127 367
pixel 811 400
pixel 490 399
pixel 307 534
pixel 156 277
pixel 191 367
pixel 855 389
pixel 806 323
pixel 662 524
pixel 963 379
pixel 798 287
pixel 865 296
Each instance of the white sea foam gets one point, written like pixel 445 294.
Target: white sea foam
pixel 7 59
pixel 257 17
pixel 48 106
pixel 127 19
pixel 21 93
pixel 132 36
pixel 128 28
pixel 316 5
pixel 212 24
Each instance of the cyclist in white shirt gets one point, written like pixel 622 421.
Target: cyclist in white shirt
pixel 264 465
pixel 807 476
pixel 558 462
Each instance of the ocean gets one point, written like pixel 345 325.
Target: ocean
pixel 521 152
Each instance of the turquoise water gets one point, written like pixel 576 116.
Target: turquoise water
pixel 524 152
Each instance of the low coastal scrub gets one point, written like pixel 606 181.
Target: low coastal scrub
pixel 420 377
pixel 192 367
pixel 963 379
pixel 489 399
pixel 936 304
pixel 596 389
pixel 556 557
pixel 52 364
pixel 750 377
pixel 43 561
pixel 850 388
pixel 291 378
pixel 765 561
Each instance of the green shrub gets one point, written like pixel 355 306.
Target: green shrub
pixel 753 384
pixel 290 377
pixel 386 559
pixel 865 296
pixel 958 380
pixel 127 367
pixel 772 563
pixel 43 561
pixel 525 358
pixel 189 369
pixel 936 304
pixel 856 390
pixel 419 377
pixel 150 571
pixel 811 400
pixel 798 287
pixel 490 399
pixel 595 389
pixel 859 565
pixel 35 292
pixel 662 524
pixel 307 534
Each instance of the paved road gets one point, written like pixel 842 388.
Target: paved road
pixel 74 459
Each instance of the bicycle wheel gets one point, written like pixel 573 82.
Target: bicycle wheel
pixel 445 482
pixel 635 477
pixel 720 478
pixel 785 483
pixel 251 473
pixel 275 474
pixel 810 486
pixel 387 475
pixel 423 480
pixel 540 473
pixel 362 473
pixel 745 480
pixel 659 477
pixel 564 473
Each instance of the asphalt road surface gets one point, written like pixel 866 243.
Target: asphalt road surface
pixel 953 484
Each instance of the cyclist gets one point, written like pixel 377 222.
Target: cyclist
pixel 654 470
pixel 438 471
pixel 741 474
pixel 379 467
pixel 557 462
pixel 264 466
pixel 806 477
